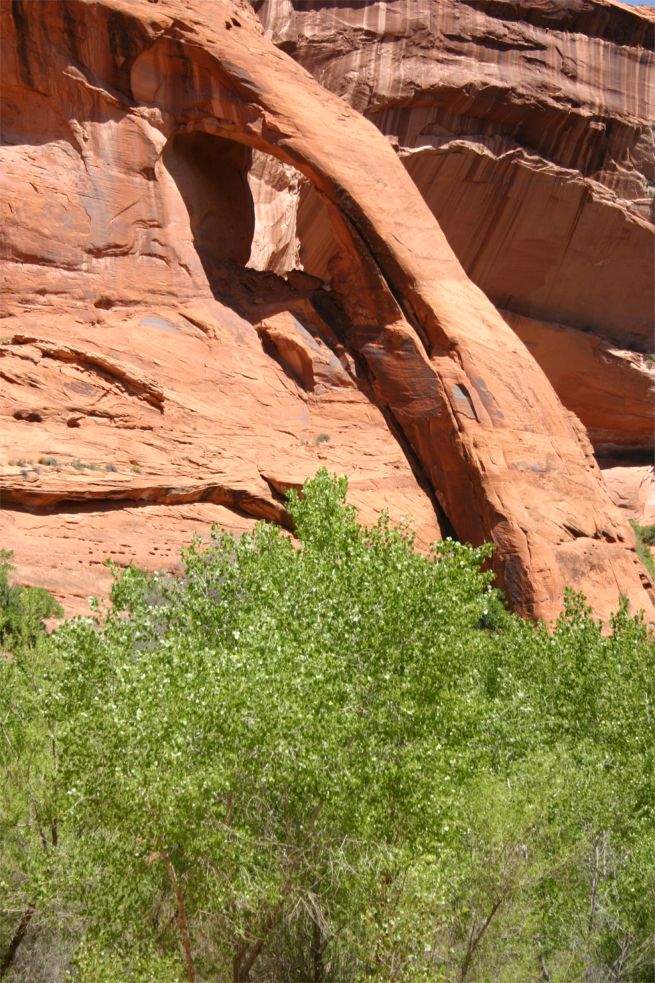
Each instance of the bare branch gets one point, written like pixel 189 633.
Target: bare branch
pixel 181 914
pixel 14 945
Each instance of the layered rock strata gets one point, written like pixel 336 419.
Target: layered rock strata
pixel 528 128
pixel 134 334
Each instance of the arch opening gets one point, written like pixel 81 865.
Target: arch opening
pixel 211 176
pixel 293 230
pixel 248 224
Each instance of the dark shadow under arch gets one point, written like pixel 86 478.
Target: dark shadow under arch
pixel 211 175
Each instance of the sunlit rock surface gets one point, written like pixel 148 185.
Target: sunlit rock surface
pixel 159 374
pixel 528 128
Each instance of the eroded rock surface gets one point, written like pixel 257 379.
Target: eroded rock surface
pixel 528 128
pixel 633 488
pixel 163 381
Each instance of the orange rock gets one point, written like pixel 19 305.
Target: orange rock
pixel 135 337
pixel 529 131
pixel 611 390
pixel 96 466
pixel 632 487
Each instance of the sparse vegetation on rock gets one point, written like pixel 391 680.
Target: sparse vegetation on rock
pixel 645 538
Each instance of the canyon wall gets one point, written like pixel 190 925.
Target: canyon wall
pixel 159 374
pixel 529 130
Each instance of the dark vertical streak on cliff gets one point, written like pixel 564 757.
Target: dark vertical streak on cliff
pixel 22 30
pixel 126 41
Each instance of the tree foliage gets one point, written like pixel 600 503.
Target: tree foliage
pixel 335 760
pixel 23 610
pixel 645 541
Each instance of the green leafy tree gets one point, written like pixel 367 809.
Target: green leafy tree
pixel 26 829
pixel 338 759
pixel 23 610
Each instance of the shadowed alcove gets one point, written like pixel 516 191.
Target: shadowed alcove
pixel 242 207
pixel 211 175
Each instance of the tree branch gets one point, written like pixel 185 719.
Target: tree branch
pixel 475 938
pixel 244 960
pixel 14 945
pixel 181 914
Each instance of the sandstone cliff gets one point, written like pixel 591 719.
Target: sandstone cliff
pixel 528 129
pixel 158 375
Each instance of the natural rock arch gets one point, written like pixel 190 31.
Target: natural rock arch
pixel 501 454
pixel 504 458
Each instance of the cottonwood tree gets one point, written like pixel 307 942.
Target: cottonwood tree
pixel 341 759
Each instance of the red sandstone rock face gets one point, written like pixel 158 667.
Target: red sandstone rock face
pixel 633 489
pixel 134 337
pixel 610 389
pixel 528 128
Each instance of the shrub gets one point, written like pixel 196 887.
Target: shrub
pixel 23 610
pixel 645 537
